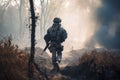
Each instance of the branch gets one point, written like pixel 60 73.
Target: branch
pixel 6 5
pixel 16 3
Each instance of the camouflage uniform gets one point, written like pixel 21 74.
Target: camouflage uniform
pixel 55 36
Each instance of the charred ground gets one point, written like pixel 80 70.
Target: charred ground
pixel 96 64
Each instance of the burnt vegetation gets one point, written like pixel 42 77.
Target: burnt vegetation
pixel 13 62
pixel 93 65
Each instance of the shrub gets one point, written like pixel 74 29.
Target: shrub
pixel 13 62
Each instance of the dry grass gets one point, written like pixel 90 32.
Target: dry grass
pixel 95 65
pixel 13 62
pixel 105 59
pixel 102 65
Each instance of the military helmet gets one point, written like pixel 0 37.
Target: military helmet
pixel 57 20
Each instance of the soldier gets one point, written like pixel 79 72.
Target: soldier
pixel 55 36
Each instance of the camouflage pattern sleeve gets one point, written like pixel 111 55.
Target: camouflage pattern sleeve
pixel 64 35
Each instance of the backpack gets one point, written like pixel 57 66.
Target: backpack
pixel 56 34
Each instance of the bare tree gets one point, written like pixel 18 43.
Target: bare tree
pixel 48 10
pixel 32 52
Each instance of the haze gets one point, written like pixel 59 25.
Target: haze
pixel 89 23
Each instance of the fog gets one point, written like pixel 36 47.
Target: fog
pixel 108 16
pixel 89 24
pixel 79 20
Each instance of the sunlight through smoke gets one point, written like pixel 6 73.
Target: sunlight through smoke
pixel 77 18
pixel 67 4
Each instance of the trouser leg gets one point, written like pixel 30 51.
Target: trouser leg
pixel 59 56
pixel 53 57
pixel 55 65
pixel 59 53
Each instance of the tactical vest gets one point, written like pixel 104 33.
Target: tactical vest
pixel 57 34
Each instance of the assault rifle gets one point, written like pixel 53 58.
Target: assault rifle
pixel 45 48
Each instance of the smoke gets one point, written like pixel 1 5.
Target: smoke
pixel 7 25
pixel 79 21
pixel 92 23
pixel 108 17
pixel 10 24
pixel 89 23
pixel 77 18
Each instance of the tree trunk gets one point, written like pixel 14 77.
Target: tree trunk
pixel 32 52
